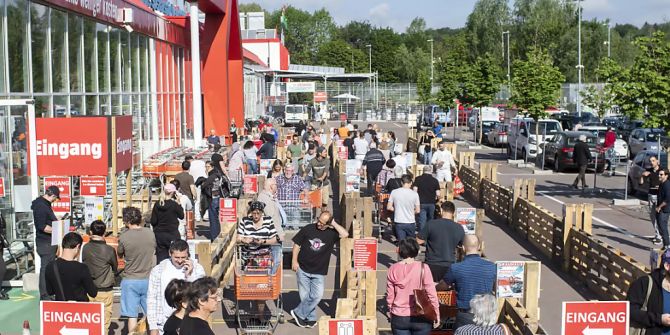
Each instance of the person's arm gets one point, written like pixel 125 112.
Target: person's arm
pixel 390 292
pixel 120 249
pixel 113 262
pixel 87 282
pixel 340 230
pixel 154 298
pixel 40 219
pixel 644 174
pixel 179 210
pixel 389 206
pixel 417 205
pixel 197 273
pixel 194 191
pixel 154 216
pixel 294 257
pixel 423 235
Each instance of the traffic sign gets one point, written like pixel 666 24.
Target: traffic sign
pixel 345 327
pixel 72 318
pixel 63 204
pixel 365 254
pixel 595 318
pixel 95 186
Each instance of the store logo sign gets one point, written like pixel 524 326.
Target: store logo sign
pixel 65 150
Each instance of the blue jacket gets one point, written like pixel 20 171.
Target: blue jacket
pixel 474 275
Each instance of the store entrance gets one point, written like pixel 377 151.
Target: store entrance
pixel 16 193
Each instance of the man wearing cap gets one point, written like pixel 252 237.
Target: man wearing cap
pixel 443 161
pixel 654 292
pixel 582 156
pixel 44 216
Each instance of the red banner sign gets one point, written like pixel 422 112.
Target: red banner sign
pixel 595 317
pixel 93 186
pixel 320 96
pixel 228 210
pixel 2 187
pixel 343 153
pixel 250 184
pixel 345 327
pixel 365 254
pixel 123 142
pixel 63 204
pixel 72 318
pixel 72 146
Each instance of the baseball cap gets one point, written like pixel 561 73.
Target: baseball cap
pixel 170 188
pixel 53 190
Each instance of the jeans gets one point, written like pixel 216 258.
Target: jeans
pixel 427 157
pixel 426 214
pixel 163 241
pixel 253 166
pixel 581 176
pixel 310 289
pixel 662 222
pixel 214 222
pixel 47 254
pixel 134 296
pixel 652 203
pixel 409 325
pixel 404 230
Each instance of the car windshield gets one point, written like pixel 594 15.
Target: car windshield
pixel 552 127
pixel 293 109
pixel 653 136
pixel 489 123
pixel 590 140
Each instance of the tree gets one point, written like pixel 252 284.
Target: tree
pixel 537 83
pixel 250 7
pixel 597 99
pixel 484 27
pixel 424 87
pixel 384 43
pixel 340 54
pixel 305 32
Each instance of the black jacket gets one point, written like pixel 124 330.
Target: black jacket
pixel 582 153
pixel 102 263
pixel 165 217
pixel 637 292
pixel 43 216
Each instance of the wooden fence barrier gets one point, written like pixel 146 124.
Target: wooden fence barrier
pixel 466 159
pixel 517 318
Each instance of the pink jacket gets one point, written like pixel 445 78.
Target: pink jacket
pixel 401 281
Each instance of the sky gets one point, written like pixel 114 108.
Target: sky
pixel 397 14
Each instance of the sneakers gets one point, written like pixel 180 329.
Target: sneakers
pixel 302 323
pixel 657 240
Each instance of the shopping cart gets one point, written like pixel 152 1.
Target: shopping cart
pixel 381 215
pixel 258 282
pixel 299 213
pixel 236 183
pixel 448 311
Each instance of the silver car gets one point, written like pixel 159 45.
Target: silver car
pixel 498 136
pixel 644 139
pixel 638 165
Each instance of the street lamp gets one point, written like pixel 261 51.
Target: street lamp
pixel 432 62
pixel 369 46
pixel 580 67
pixel 509 77
pixel 609 40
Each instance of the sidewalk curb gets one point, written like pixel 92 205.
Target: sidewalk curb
pixel 629 202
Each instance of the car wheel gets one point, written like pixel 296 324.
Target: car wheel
pixel 557 165
pixel 631 187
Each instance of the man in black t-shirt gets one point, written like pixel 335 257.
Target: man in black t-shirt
pixel 651 176
pixel 429 191
pixel 442 237
pixel 312 247
pixel 66 278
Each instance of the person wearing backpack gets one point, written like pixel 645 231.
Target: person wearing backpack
pixel 649 298
pixel 215 187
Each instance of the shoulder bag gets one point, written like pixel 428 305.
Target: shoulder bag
pixel 58 280
pixel 422 306
pixel 641 331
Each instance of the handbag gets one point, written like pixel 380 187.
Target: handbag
pixel 641 331
pixel 459 188
pixel 422 306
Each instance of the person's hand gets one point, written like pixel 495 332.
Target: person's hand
pixel 188 267
pixel 665 319
pixel 153 332
pixel 658 209
pixel 295 267
pixel 436 324
pixel 48 229
pixel 645 173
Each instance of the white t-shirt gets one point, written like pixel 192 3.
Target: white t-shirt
pixel 404 202
pixel 197 169
pixel 443 156
pixel 361 146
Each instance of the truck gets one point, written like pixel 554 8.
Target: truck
pixel 293 114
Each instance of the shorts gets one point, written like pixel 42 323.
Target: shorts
pixel 133 294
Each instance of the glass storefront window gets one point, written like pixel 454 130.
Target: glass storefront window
pixel 126 73
pixel 105 108
pixel 92 105
pixel 59 79
pixel 42 104
pixel 144 65
pixel 60 106
pixel 39 21
pixel 135 56
pixel 76 105
pixel 114 59
pixel 3 89
pixel 103 57
pixel 17 45
pixel 90 57
pixel 75 40
pixel 116 104
pixel 126 100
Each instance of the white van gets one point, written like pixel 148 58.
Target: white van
pixel 522 139
pixel 296 113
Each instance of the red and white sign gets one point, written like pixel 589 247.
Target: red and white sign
pixel 63 204
pixel 250 184
pixel 345 327
pixel 2 187
pixel 72 318
pixel 123 142
pixel 365 254
pixel 343 153
pixel 93 186
pixel 320 96
pixel 72 146
pixel 228 210
pixel 595 317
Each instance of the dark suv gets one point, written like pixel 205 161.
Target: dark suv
pixel 558 151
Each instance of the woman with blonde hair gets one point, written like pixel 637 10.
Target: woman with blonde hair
pixel 165 217
pixel 484 307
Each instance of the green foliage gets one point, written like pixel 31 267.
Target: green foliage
pixel 599 100
pixel 536 83
pixel 305 32
pixel 249 7
pixel 339 53
pixel 485 25
pixel 424 87
pixel 408 64
pixel 485 81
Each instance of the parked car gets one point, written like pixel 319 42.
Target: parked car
pixel 616 122
pixel 627 127
pixel 498 135
pixel 558 151
pixel 487 127
pixel 644 139
pixel 434 113
pixel 523 140
pixel 620 146
pixel 638 165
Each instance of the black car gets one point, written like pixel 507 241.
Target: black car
pixel 558 151
pixel 487 126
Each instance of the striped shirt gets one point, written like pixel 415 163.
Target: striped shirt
pixel 267 230
pixel 474 275
pixel 497 329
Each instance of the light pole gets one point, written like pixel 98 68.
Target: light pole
pixel 609 40
pixel 580 67
pixel 370 69
pixel 509 77
pixel 432 62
